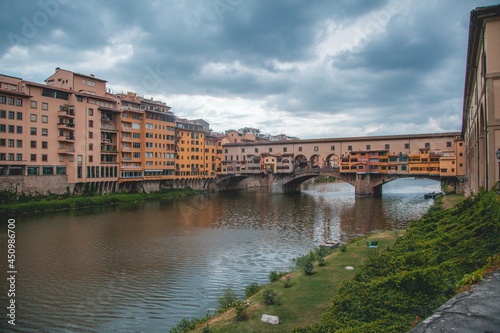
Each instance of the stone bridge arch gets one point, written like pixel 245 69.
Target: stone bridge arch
pixel 316 161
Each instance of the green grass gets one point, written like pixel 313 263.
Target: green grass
pixel 74 202
pixel 309 296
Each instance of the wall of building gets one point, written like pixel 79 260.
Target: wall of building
pixel 50 184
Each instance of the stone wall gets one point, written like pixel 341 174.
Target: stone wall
pixel 33 185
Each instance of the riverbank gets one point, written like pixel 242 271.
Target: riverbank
pixel 394 289
pixel 48 204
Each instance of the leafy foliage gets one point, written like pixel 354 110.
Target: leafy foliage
pixel 420 272
pixel 269 297
pixel 227 299
pixel 252 289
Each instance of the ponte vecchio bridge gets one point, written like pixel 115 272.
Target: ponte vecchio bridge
pixel 365 162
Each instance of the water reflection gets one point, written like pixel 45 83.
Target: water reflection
pixel 144 267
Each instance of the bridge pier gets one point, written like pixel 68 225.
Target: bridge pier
pixel 367 185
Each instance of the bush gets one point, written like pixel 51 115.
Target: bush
pixel 287 283
pixel 275 276
pixel 252 289
pixel 306 263
pixel 227 299
pixel 240 308
pixel 269 297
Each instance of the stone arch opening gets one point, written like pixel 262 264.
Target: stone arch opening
pixel 300 162
pixel 332 162
pixel 316 161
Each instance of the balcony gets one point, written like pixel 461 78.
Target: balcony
pixel 66 151
pixel 126 129
pixel 109 127
pixel 109 151
pixel 66 138
pixel 70 113
pixel 68 126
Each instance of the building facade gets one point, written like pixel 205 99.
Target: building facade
pixel 481 107
pixel 419 154
pixel 72 136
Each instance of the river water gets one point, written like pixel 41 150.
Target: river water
pixel 144 267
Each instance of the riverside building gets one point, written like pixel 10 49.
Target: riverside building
pixel 72 136
pixel 481 106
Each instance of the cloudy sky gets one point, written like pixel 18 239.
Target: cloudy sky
pixel 321 68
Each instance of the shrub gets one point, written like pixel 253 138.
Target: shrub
pixel 240 308
pixel 227 299
pixel 252 289
pixel 287 283
pixel 269 297
pixel 275 276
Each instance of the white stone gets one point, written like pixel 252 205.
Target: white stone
pixel 270 319
pixel 349 268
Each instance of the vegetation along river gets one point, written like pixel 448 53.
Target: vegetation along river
pixel 145 267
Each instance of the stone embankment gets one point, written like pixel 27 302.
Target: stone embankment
pixel 474 311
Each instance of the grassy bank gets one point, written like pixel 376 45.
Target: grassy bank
pixel 438 255
pixel 75 202
pixel 308 295
pixel 390 291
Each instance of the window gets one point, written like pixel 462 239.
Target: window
pixel 137 155
pixel 44 157
pixel 11 100
pixel 270 150
pixel 91 135
pixel 3 128
pixel 136 145
pixel 91 123
pixel 332 148
pixel 91 158
pixel 45 132
pixel 19 116
pixel 2 100
pixel 136 135
pixel 11 128
pixel 33 157
pixel 3 114
pixel 19 143
pixel 427 145
pixel 285 149
pixel 300 148
pixel 316 148
pixel 349 148
pixel 368 147
pixel 256 150
pixel 91 146
pixel 45 144
pixel 387 146
pixel 448 144
pixel 19 157
pixel 45 106
pixel 91 112
pixel 45 119
pixel 33 104
pixel 407 146
pixel 2 142
pixel 55 93
pixel 33 117
pixel 11 114
pixel 11 143
pixel 19 130
pixel 11 156
pixel 33 144
pixel 19 102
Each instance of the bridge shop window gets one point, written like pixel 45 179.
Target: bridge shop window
pixel 316 148
pixel 332 147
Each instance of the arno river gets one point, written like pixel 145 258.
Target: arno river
pixel 144 267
